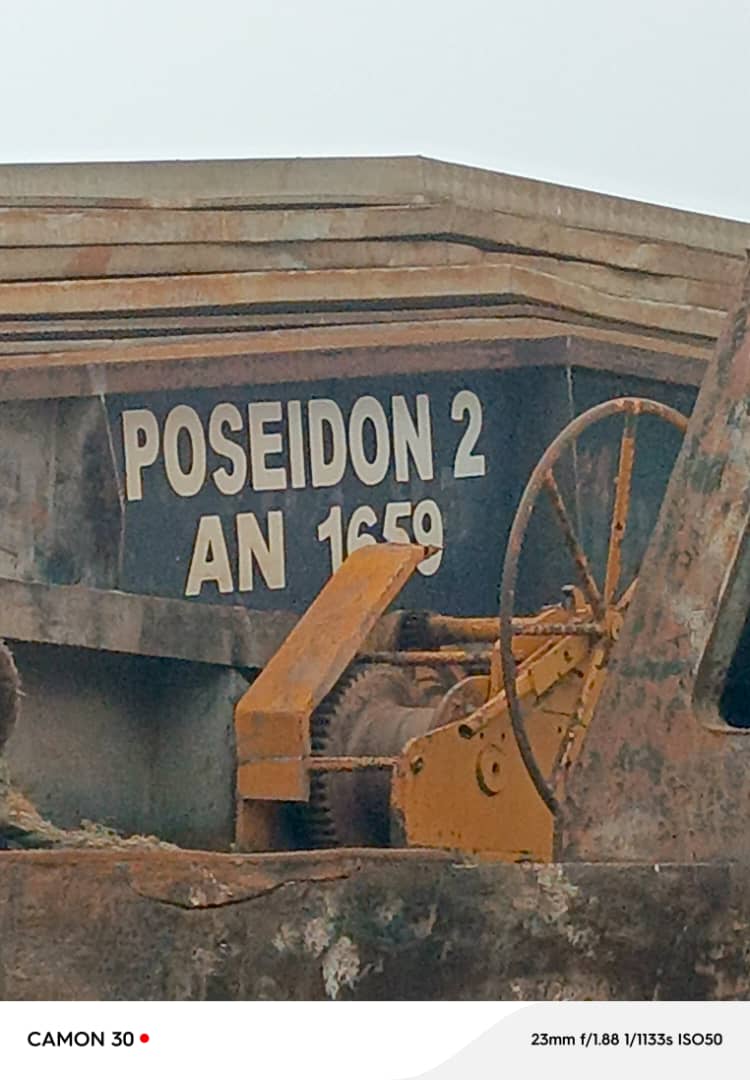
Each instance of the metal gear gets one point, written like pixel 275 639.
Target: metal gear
pixel 375 709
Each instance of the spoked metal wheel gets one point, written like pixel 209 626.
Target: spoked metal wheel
pixel 605 602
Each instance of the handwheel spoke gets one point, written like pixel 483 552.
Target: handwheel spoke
pixel 571 743
pixel 627 596
pixel 621 506
pixel 605 617
pixel 590 588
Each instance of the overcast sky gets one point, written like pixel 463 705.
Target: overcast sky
pixel 644 98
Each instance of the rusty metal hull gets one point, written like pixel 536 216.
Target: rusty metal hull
pixel 175 342
pixel 110 574
pixel 364 925
pixel 663 775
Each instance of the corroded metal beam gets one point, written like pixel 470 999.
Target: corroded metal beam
pixel 128 260
pixel 382 286
pixel 459 223
pixel 268 357
pixel 352 181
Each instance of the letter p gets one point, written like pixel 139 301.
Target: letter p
pixel 140 440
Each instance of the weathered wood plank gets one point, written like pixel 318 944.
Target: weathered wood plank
pixel 54 264
pixel 270 200
pixel 607 248
pixel 331 287
pixel 482 228
pixel 128 260
pixel 62 227
pixel 618 283
pixel 51 336
pixel 396 179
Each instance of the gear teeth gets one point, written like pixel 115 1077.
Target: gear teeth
pixel 343 810
pixel 319 819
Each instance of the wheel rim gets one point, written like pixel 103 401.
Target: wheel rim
pixel 607 610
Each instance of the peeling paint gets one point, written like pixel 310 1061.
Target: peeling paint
pixel 386 913
pixel 341 967
pixel 287 938
pixel 316 936
pixel 557 891
pixel 424 927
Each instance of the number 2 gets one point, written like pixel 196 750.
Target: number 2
pixel 468 463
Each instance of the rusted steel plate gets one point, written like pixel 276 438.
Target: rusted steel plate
pixel 585 351
pixel 673 288
pixel 71 330
pixel 606 248
pixel 32 228
pixel 332 286
pixel 582 209
pixel 314 353
pixel 297 181
pixel 175 201
pixel 637 286
pixel 366 925
pixel 661 776
pixel 128 260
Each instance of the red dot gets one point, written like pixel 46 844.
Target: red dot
pixel 144 1038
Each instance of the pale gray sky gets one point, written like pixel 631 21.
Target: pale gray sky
pixel 644 98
